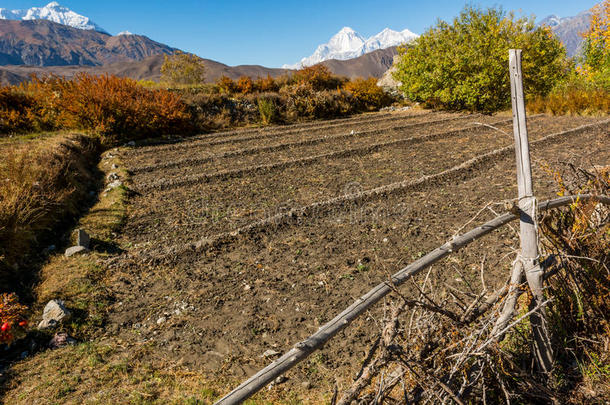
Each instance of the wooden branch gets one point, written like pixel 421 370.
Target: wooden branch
pixel 303 349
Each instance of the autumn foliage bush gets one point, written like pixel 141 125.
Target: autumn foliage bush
pixel 16 111
pixel 12 318
pixel 115 109
pixel 367 93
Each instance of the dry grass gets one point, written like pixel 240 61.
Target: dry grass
pixel 573 99
pixel 43 183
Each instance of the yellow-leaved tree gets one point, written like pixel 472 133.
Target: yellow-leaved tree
pixel 596 63
pixel 183 68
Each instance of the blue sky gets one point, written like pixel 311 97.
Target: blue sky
pixel 272 33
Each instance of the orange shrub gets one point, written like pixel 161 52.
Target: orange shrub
pixel 16 113
pixel 115 108
pixel 319 77
pixel 226 85
pixel 245 85
pixel 12 319
pixel 367 92
pixel 266 84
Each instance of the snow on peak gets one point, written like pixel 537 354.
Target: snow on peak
pixel 125 33
pixel 348 44
pixel 52 12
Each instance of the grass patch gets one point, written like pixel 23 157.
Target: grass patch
pixel 44 183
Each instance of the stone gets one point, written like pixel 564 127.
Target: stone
pixel 113 177
pixel 270 353
pixel 306 385
pixel 61 339
pixel 75 250
pixel 114 184
pixel 280 379
pixel 161 320
pixel 54 313
pixel 82 238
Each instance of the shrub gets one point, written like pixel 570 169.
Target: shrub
pixel 464 65
pixel 266 84
pixel 16 111
pixel 577 96
pixel 366 92
pixel 318 77
pixel 12 320
pixel 116 109
pixel 245 85
pixel 226 85
pixel 267 110
pixel 183 68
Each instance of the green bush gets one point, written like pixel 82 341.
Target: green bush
pixel 267 110
pixel 464 65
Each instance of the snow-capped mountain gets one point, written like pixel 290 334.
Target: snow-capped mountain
pixel 52 12
pixel 348 44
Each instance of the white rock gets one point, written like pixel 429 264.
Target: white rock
pixel 54 312
pixel 270 353
pixel 75 250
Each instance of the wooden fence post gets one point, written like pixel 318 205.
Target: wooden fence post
pixel 528 227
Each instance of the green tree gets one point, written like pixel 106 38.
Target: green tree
pixel 464 65
pixel 183 68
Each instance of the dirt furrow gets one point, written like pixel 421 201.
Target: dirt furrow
pixel 470 167
pixel 180 178
pixel 189 146
pixel 192 161
pixel 278 285
pixel 280 130
pixel 377 131
pixel 204 209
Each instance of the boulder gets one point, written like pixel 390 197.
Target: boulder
pixel 54 313
pixel 82 238
pixel 61 339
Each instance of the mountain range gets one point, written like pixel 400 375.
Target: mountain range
pixel 348 44
pixel 569 29
pixel 54 39
pixel 52 12
pixel 46 43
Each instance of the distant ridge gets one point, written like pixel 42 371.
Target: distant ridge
pixel 371 64
pixel 46 43
pixel 569 30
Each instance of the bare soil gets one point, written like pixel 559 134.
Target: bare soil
pixel 274 287
pixel 215 312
